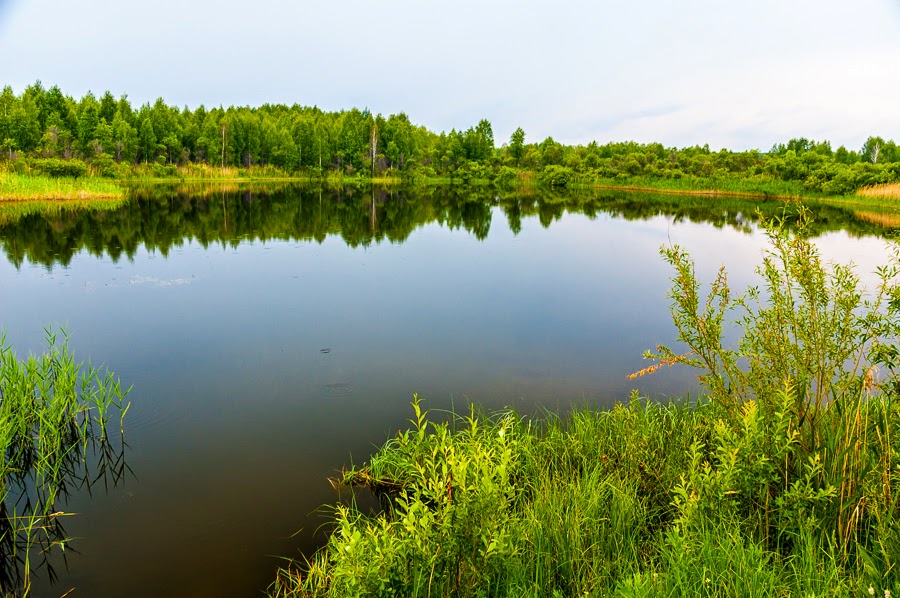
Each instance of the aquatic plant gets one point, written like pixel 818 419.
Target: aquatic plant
pixel 54 414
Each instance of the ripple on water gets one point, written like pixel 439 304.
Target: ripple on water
pixel 337 389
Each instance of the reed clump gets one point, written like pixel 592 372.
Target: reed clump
pixel 61 430
pixel 782 480
pixel 887 191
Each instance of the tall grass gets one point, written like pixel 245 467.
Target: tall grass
pixel 888 191
pixel 54 413
pixel 781 481
pixel 18 187
pixel 750 186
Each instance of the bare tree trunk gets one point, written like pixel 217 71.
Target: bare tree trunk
pixel 374 146
pixel 223 148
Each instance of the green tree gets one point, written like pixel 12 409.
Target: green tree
pixel 88 119
pixel 125 139
pixel 517 145
pixel 103 135
pixel 484 136
pixel 108 106
pixel 398 139
pixel 871 149
pixel 552 151
pixel 8 103
pixel 209 144
pixel 147 140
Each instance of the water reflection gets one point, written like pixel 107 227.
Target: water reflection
pixel 163 218
pixel 34 543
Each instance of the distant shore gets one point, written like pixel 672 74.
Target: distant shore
pixel 16 187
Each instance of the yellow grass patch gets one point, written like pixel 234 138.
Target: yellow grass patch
pixel 890 191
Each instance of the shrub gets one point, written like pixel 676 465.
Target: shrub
pixel 557 176
pixel 57 167
pixel 803 427
pixel 505 176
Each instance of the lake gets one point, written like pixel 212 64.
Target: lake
pixel 274 335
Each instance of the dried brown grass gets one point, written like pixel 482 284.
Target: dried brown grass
pixel 889 191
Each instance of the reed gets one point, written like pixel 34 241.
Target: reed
pixel 885 191
pixel 639 500
pixel 54 414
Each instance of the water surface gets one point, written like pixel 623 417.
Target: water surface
pixel 273 337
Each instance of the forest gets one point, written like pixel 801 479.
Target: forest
pixel 45 132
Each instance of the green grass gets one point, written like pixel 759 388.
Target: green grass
pixel 638 500
pixel 19 187
pixel 757 186
pixel 54 415
pixel 782 481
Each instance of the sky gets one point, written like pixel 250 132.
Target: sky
pixel 738 75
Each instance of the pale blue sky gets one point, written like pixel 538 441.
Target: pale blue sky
pixel 737 75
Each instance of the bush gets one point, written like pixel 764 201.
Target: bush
pixel 557 176
pixel 57 167
pixel 105 166
pixel 505 176
pixel 803 417
pixel 164 170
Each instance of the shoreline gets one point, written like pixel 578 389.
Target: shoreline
pixel 18 188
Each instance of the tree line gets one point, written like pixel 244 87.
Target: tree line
pixel 59 135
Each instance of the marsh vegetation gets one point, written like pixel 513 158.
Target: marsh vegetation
pixel 781 479
pixel 61 433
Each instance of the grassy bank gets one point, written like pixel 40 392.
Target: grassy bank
pixel 640 500
pixel 35 186
pixel 782 481
pixel 30 187
pixel 754 186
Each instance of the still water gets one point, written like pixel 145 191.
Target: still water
pixel 273 336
